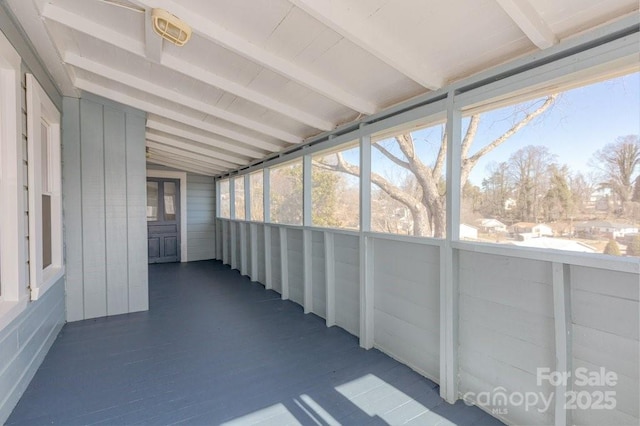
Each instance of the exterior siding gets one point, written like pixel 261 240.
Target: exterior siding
pixel 201 212
pixel 105 219
pixel 24 344
pixel 25 341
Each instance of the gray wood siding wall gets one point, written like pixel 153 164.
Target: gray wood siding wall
pixel 347 270
pixel 506 327
pixel 605 334
pixel 506 310
pixel 25 341
pixel 318 276
pixel 276 267
pixel 104 201
pixel 296 266
pixel 24 344
pixel 201 213
pixel 407 303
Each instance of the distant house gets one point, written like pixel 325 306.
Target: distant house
pixel 468 232
pixel 555 243
pixel 532 229
pixel 491 226
pixel 604 228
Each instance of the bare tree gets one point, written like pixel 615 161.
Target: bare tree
pixel 428 207
pixel 618 163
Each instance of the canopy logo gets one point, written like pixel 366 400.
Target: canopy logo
pixel 588 397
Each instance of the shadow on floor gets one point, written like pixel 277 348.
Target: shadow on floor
pixel 215 348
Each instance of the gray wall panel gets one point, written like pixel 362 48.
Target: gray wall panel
pixel 105 215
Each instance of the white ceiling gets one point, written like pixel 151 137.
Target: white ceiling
pixel 258 76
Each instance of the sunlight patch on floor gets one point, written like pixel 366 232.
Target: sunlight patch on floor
pixel 378 398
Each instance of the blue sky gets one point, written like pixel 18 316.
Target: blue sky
pixel 582 121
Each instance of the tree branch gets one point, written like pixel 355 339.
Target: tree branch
pixel 442 156
pixel 469 163
pixel 470 135
pixel 390 156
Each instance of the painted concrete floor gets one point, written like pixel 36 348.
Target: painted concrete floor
pixel 217 349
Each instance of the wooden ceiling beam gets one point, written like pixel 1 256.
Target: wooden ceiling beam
pixel 161 91
pixel 195 159
pixel 208 154
pixel 167 162
pixel 341 18
pixel 170 114
pixel 530 22
pixel 152 41
pixel 205 140
pixel 225 38
pixel 171 62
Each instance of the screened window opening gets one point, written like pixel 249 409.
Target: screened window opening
pixel 286 193
pixel 408 181
pixel 335 191
pixel 558 172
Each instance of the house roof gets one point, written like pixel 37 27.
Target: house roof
pixel 555 243
pixel 604 224
pixel 258 77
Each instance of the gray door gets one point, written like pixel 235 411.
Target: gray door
pixel 163 220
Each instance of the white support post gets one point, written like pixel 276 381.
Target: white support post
pixel 306 233
pixel 330 278
pixel 267 258
pixel 284 263
pixel 449 261
pixel 266 194
pixel 308 270
pixel 306 190
pixel 247 197
pixel 253 228
pixel 232 199
pixel 366 247
pixel 244 270
pixel 562 320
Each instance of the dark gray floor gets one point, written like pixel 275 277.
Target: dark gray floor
pixel 216 348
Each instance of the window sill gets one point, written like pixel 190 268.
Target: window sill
pixel 50 276
pixel 9 311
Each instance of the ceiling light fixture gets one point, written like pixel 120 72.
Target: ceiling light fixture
pixel 170 27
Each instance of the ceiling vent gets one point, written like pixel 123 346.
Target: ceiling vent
pixel 170 27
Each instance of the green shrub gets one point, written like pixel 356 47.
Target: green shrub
pixel 612 248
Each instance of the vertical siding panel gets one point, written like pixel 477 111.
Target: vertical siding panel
pixel 116 211
pixel 72 208
pixel 136 212
pixel 93 209
pixel 201 217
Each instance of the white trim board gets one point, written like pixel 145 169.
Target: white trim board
pixel 182 176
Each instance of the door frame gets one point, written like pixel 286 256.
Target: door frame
pixel 182 177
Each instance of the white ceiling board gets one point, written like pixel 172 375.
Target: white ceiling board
pixel 254 20
pixel 220 35
pixel 196 157
pixel 236 152
pixel 29 16
pixel 163 160
pixel 573 16
pixel 189 146
pixel 203 123
pixel 134 82
pixel 376 41
pixel 119 19
pixel 530 22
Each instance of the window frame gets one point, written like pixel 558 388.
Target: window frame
pixel 41 109
pixel 13 294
